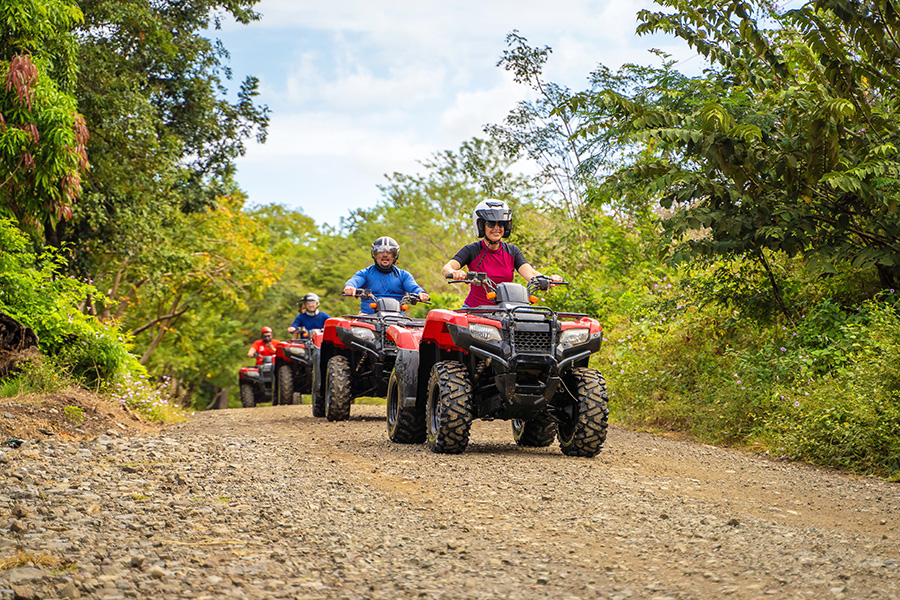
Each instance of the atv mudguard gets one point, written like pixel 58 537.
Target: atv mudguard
pixel 407 363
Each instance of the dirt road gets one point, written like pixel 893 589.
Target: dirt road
pixel 270 502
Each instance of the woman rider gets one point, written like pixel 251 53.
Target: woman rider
pixel 493 222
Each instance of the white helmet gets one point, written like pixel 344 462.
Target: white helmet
pixel 386 244
pixel 307 298
pixel 492 210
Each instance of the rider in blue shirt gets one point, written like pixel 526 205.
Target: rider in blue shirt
pixel 384 278
pixel 310 316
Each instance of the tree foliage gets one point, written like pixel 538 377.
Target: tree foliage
pixel 788 143
pixel 161 227
pixel 42 135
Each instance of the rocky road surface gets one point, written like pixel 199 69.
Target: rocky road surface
pixel 272 503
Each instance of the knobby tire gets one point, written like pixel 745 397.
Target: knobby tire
pixel 248 399
pixel 449 408
pixel 405 425
pixel 539 432
pixel 337 389
pixel 585 433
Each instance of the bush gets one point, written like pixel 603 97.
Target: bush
pixel 36 375
pixel 136 390
pixel 34 291
pixel 825 389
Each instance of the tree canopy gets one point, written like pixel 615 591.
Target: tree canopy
pixel 787 143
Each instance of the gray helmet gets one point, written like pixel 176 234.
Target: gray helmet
pixel 492 210
pixel 386 244
pixel 310 296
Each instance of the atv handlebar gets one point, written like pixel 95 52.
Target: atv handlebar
pixel 413 299
pixel 474 278
pixel 543 283
pixel 359 293
pixel 538 282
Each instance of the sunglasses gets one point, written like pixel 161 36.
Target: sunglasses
pixel 492 224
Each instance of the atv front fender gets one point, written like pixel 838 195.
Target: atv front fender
pixel 407 369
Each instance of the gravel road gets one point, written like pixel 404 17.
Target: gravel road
pixel 272 503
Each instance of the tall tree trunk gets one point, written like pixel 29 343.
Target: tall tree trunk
pixel 776 291
pixel 219 400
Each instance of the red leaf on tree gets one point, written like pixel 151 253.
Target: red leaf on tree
pixel 22 75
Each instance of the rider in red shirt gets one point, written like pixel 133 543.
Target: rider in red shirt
pixel 264 347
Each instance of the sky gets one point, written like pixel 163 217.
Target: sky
pixel 359 89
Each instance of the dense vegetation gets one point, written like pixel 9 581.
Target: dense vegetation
pixel 737 231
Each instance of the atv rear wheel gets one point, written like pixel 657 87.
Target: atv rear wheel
pixel 248 399
pixel 285 385
pixel 337 389
pixel 584 432
pixel 405 425
pixel 537 433
pixel 449 408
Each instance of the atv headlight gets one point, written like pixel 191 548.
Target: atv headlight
pixel 363 333
pixel 487 333
pixel 574 336
pixel 298 350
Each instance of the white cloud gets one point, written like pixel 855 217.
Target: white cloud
pixel 360 88
pixel 472 110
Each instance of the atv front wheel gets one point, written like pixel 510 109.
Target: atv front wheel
pixel 285 385
pixel 449 408
pixel 584 432
pixel 248 399
pixel 405 425
pixel 537 433
pixel 337 389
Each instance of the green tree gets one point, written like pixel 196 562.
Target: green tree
pixel 206 261
pixel 165 136
pixel 42 136
pixel 787 144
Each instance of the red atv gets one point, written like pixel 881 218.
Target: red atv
pixel 512 361
pixel 258 383
pixel 293 366
pixel 353 356
pixel 273 378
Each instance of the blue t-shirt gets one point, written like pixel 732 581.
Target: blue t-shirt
pixel 309 322
pixel 393 284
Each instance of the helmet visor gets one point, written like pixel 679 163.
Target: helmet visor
pixel 393 250
pixel 501 214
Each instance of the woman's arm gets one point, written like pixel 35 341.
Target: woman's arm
pixel 527 271
pixel 453 268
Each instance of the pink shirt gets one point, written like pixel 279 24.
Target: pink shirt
pixel 500 265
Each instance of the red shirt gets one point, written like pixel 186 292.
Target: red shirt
pixel 263 350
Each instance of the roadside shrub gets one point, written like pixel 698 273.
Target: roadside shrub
pixel 136 390
pixel 850 416
pixel 824 388
pixel 36 375
pixel 34 291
